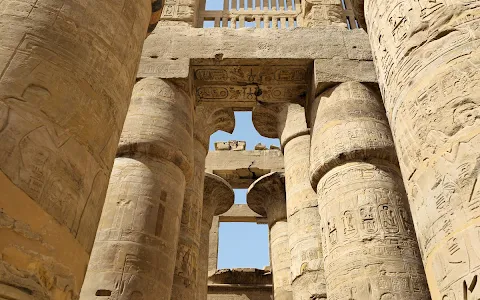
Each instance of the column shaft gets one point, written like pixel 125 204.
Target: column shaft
pixel 186 267
pixel 287 121
pixel 203 260
pixel 266 196
pixel 218 197
pixel 369 245
pixel 427 55
pixel 134 252
pixel 280 260
pixel 213 246
pixel 67 69
pixel 307 270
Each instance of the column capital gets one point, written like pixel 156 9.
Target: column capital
pixel 209 118
pixel 218 196
pixel 284 121
pixel 266 197
pixel 159 124
pixel 350 124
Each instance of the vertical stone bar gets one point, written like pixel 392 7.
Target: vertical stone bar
pixel 67 70
pixel 427 56
pixel 207 120
pixel 288 122
pixel 369 245
pixel 213 246
pixel 266 196
pixel 218 197
pixel 134 252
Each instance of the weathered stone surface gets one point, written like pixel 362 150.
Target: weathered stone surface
pixel 218 197
pixel 207 120
pixel 242 83
pixel 67 68
pixel 235 68
pixel 288 122
pixel 230 145
pixel 266 196
pixel 260 146
pixel 241 168
pixel 427 59
pixel 240 284
pixel 369 245
pixel 348 123
pixel 322 14
pixel 213 239
pixel 247 276
pixel 241 213
pixel 136 244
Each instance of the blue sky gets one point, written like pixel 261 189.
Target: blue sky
pixel 243 244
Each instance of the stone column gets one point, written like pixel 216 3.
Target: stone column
pixel 136 244
pixel 213 245
pixel 427 56
pixel 288 122
pixel 67 69
pixel 208 119
pixel 266 196
pixel 218 197
pixel 369 245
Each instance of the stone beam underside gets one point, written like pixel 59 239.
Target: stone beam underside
pixel 242 168
pixel 238 68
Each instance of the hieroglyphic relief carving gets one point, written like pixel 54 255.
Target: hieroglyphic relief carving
pixel 427 59
pixel 370 250
pixel 136 243
pixel 251 83
pixel 57 61
pixel 287 121
pixel 207 120
pixel 267 74
pixel 373 208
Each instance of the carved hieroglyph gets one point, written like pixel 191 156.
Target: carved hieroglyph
pixel 427 56
pixel 288 122
pixel 244 85
pixel 136 244
pixel 207 121
pixel 266 196
pixel 368 238
pixel 67 69
pixel 218 197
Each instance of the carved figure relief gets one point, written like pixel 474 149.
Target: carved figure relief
pixel 388 219
pixel 349 223
pixel 368 219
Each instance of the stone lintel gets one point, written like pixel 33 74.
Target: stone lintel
pixel 238 68
pixel 241 168
pixel 241 276
pixel 173 44
pixel 242 213
pixel 241 284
